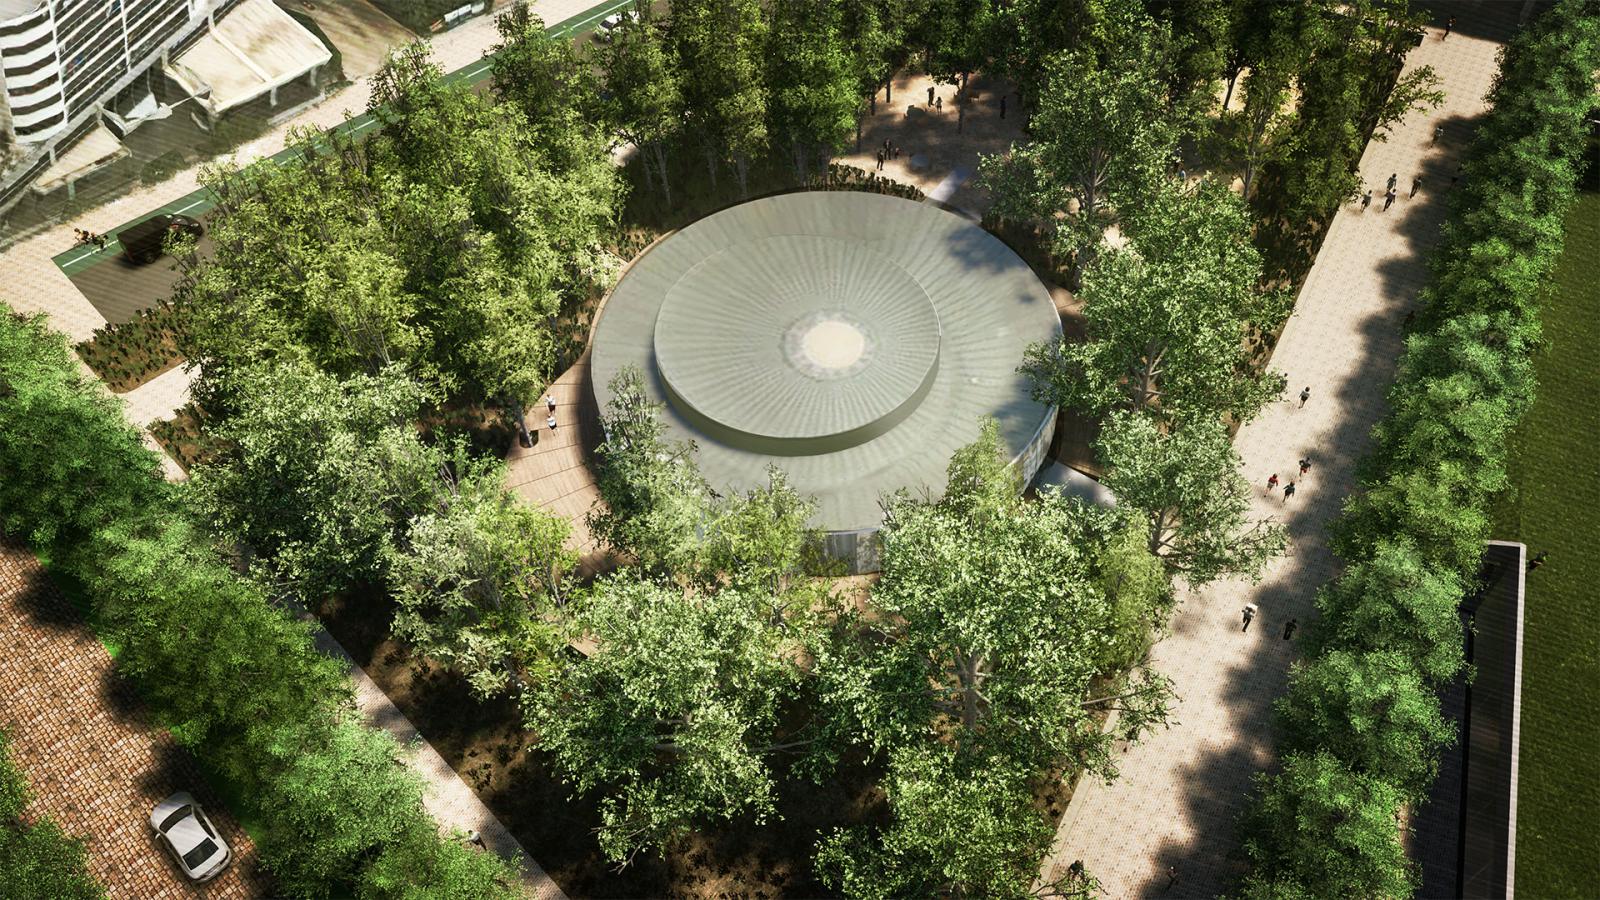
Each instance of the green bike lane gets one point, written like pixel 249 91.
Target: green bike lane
pixel 197 203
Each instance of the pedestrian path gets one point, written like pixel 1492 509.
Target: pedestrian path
pixel 1166 827
pixel 94 761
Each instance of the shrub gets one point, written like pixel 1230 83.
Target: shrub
pixel 36 858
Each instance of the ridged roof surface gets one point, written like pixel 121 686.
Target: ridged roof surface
pixel 855 340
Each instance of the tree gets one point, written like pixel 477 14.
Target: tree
pixel 316 475
pixel 542 75
pixel 478 581
pixel 84 465
pixel 1370 710
pixel 1167 317
pixel 719 45
pixel 1100 140
pixel 676 712
pixel 869 32
pixel 812 89
pixel 1185 482
pixel 655 498
pixel 1320 830
pixel 964 826
pixel 986 624
pixel 957 36
pixel 1200 31
pixel 646 96
pixel 762 540
pixel 1257 132
pixel 1392 600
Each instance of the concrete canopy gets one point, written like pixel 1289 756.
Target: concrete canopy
pixel 854 340
pixel 253 49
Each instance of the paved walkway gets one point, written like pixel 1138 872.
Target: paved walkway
pixel 1181 791
pixel 93 760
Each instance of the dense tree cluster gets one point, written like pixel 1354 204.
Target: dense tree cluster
pixel 37 859
pixel 1361 725
pixel 232 674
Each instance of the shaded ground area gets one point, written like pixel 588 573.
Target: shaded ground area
pixel 93 759
pixel 1553 506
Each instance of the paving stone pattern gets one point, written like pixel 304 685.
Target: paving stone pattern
pixel 94 762
pixel 1180 792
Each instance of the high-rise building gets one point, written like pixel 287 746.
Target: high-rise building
pixel 60 60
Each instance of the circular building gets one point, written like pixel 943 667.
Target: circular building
pixel 854 340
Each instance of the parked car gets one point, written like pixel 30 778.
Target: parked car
pixel 195 843
pixel 609 25
pixel 144 242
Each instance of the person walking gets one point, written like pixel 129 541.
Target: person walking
pixel 1438 132
pixel 1449 26
pixel 1416 185
pixel 1002 106
pixel 880 159
pixel 1394 179
pixel 550 403
pixel 930 95
pixel 551 421
pixel 1249 614
pixel 1305 466
pixel 1366 201
pixel 1289 627
pixel 1288 491
pixel 1272 483
pixel 1305 394
pixel 1388 200
pixel 938 104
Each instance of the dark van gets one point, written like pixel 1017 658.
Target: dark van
pixel 145 242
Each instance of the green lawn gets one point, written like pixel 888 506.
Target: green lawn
pixel 1554 506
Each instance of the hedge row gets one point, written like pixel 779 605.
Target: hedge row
pixel 1360 728
pixel 234 676
pixel 36 858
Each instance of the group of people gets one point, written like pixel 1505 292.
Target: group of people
pixel 1391 191
pixel 89 237
pixel 1288 487
pixel 1249 614
pixel 888 151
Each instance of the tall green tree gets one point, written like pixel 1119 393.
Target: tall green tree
pixel 645 93
pixel 542 75
pixel 316 475
pixel 1167 316
pixel 479 581
pixel 675 714
pixel 1100 140
pixel 1256 135
pixel 811 83
pixel 719 45
pixel 655 498
pixel 1184 480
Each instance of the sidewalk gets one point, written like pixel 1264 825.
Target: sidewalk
pixel 94 761
pixel 1175 806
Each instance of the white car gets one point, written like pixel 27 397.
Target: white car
pixel 609 25
pixel 182 825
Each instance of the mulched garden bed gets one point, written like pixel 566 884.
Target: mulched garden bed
pixel 126 356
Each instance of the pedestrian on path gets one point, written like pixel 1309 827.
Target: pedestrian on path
pixel 1272 483
pixel 1249 614
pixel 930 95
pixel 894 152
pixel 1002 106
pixel 1172 876
pixel 1538 561
pixel 475 839
pixel 1416 185
pixel 1288 491
pixel 550 403
pixel 1394 179
pixel 551 421
pixel 1388 200
pixel 1305 394
pixel 100 241
pixel 938 104
pixel 1366 201
pixel 1438 132
pixel 1305 466
pixel 880 159
pixel 1449 26
pixel 1289 627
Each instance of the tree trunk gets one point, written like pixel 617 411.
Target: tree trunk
pixel 872 99
pixel 858 132
pixel 711 167
pixel 649 175
pixel 661 164
pixel 888 89
pixel 1226 97
pixel 799 164
pixel 741 168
